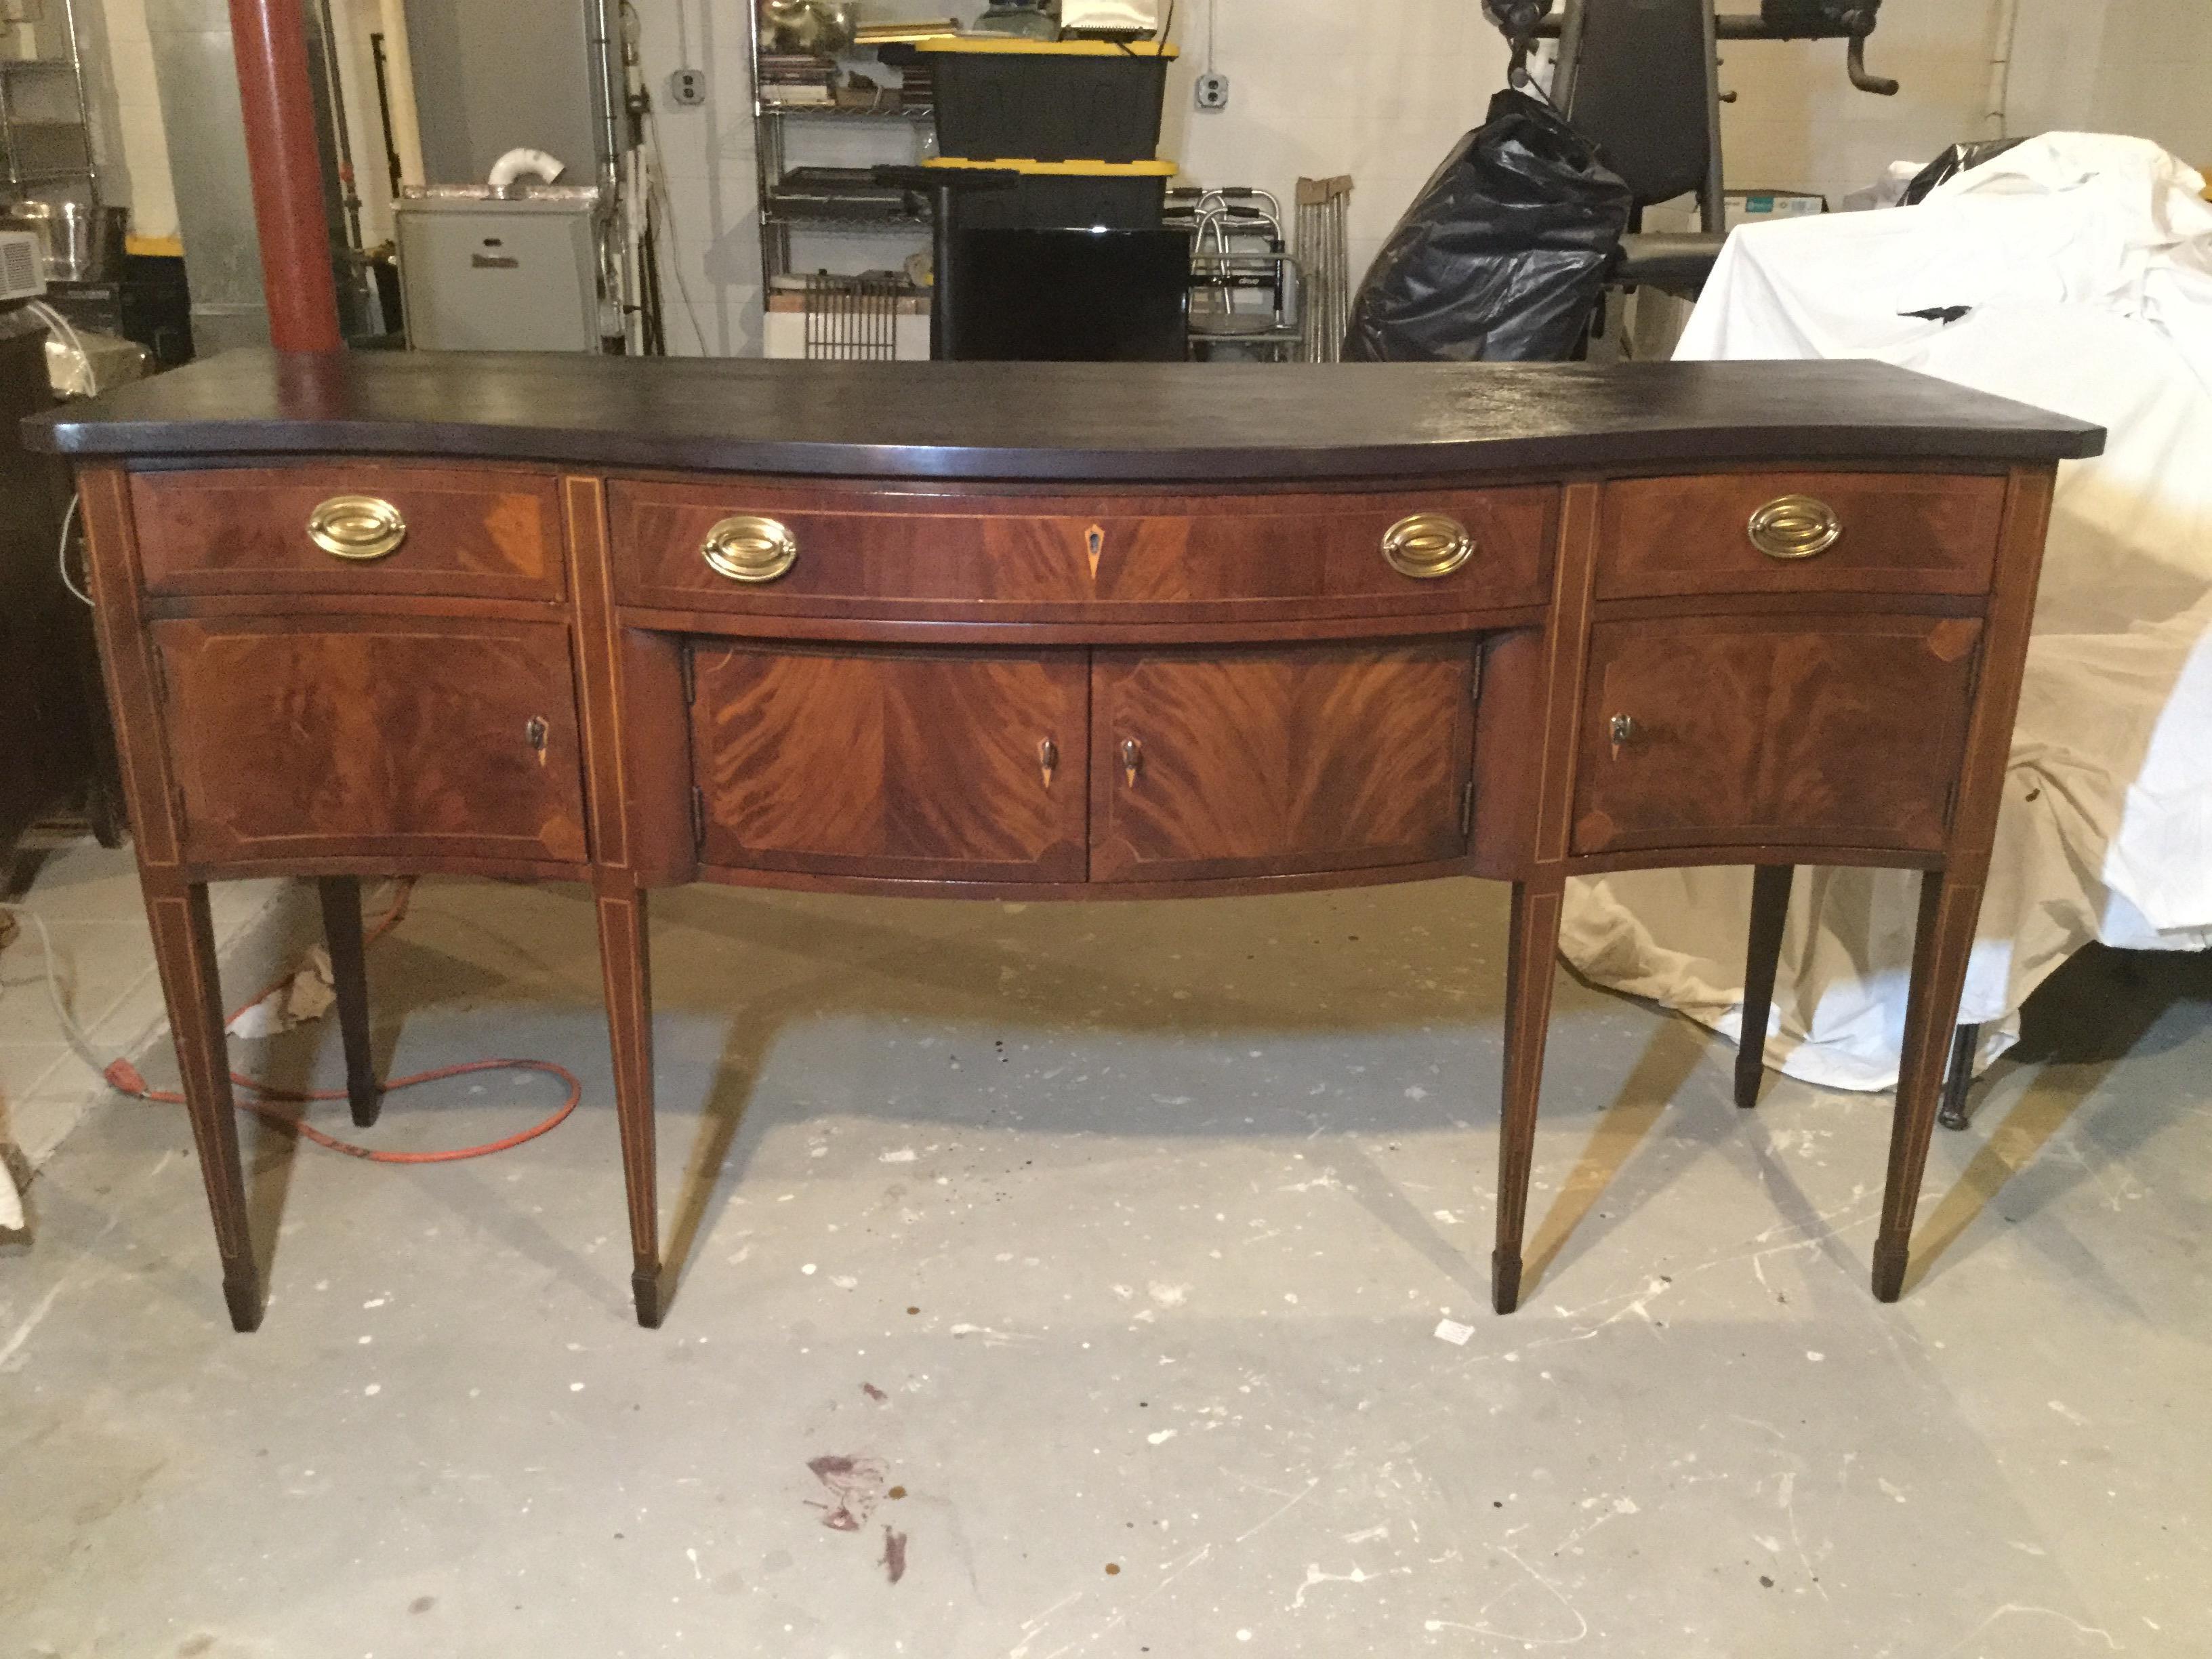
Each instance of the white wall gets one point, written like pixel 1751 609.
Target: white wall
pixel 1319 88
pixel 1799 124
pixel 2154 75
pixel 144 146
pixel 706 153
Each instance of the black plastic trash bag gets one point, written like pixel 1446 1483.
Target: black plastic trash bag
pixel 1960 158
pixel 1502 256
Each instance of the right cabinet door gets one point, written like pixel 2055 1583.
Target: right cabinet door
pixel 1706 731
pixel 1210 764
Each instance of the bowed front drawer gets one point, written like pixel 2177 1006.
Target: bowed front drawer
pixel 351 528
pixel 794 550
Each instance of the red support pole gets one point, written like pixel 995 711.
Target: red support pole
pixel 270 38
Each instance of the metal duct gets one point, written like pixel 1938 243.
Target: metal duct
pixel 196 68
pixel 198 75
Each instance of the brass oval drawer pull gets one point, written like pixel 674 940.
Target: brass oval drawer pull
pixel 360 527
pixel 1427 544
pixel 1796 527
pixel 750 548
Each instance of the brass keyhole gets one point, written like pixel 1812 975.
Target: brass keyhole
pixel 1624 731
pixel 1132 761
pixel 1048 759
pixel 534 733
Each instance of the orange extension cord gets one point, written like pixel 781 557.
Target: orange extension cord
pixel 125 1078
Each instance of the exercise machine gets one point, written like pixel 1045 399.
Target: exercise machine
pixel 1640 79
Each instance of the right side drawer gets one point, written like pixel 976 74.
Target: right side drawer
pixel 1800 533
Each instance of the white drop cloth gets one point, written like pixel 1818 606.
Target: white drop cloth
pixel 2086 263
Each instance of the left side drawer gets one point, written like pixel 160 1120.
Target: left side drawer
pixel 342 527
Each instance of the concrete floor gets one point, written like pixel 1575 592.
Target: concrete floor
pixel 1113 1241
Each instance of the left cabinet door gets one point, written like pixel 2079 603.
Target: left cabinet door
pixel 411 739
pixel 892 764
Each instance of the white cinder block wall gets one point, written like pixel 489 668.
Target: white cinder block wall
pixel 1379 90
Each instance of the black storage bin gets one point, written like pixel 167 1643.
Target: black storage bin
pixel 1065 195
pixel 1054 100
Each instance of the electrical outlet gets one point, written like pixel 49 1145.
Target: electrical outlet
pixel 687 88
pixel 1213 92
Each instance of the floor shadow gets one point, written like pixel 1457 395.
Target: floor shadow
pixel 711 1168
pixel 2103 1007
pixel 1379 1194
pixel 286 1062
pixel 1667 1062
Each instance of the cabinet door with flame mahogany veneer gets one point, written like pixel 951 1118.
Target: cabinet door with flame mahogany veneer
pixel 399 742
pixel 1208 764
pixel 906 765
pixel 1712 731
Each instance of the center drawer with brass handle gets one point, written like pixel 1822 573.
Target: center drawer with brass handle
pixel 793 550
pixel 1799 532
pixel 347 527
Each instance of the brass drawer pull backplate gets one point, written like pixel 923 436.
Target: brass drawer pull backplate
pixel 1796 527
pixel 1427 544
pixel 750 548
pixel 360 527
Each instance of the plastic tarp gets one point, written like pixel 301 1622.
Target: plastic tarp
pixel 2085 266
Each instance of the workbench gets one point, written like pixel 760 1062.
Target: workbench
pixel 1038 631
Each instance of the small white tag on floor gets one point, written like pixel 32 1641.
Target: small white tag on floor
pixel 1451 1331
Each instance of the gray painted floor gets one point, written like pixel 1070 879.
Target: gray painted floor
pixel 1118 1238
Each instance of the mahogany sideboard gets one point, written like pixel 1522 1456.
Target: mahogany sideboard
pixel 1055 631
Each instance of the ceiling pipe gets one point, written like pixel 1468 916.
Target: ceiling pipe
pixel 269 38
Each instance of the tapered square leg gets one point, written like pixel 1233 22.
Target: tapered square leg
pixel 185 956
pixel 1770 909
pixel 1948 911
pixel 1533 946
pixel 342 933
pixel 623 960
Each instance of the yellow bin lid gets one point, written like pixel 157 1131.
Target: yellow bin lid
pixel 1014 43
pixel 1060 169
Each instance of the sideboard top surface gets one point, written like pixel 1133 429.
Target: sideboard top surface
pixel 1183 423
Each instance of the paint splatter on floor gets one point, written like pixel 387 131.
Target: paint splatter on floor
pixel 855 1485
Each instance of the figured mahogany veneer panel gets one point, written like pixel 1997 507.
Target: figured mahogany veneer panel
pixel 472 531
pixel 362 737
pixel 1128 558
pixel 1255 763
pixel 1902 534
pixel 1757 730
pixel 916 764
